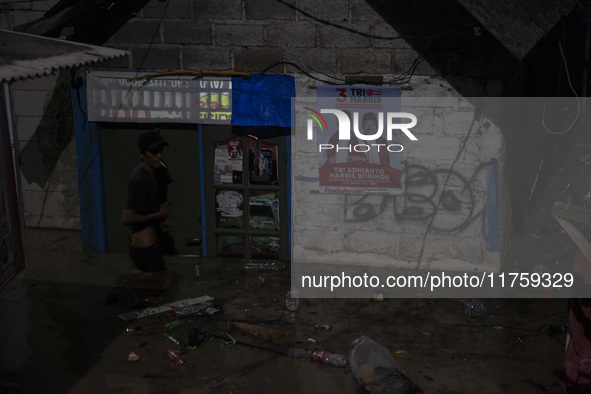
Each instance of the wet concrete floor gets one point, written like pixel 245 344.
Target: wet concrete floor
pixel 61 333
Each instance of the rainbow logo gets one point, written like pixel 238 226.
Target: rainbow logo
pixel 317 117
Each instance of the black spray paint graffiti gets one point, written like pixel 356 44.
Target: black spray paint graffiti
pixel 443 196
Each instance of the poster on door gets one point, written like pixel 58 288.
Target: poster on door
pixel 228 162
pixel 356 154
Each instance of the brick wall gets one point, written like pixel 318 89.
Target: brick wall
pixel 336 37
pixel 468 231
pixel 318 41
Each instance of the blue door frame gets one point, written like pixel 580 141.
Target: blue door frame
pixel 91 189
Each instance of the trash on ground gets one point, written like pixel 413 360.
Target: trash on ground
pixel 213 311
pixel 292 300
pixel 133 357
pixel 325 326
pixel 473 307
pixel 324 357
pixel 378 297
pixel 258 332
pixel 174 325
pixel 264 265
pixel 175 357
pixel 190 310
pixel 164 308
pixel 376 370
pixel 182 348
pixel 196 337
pixel 297 352
pixel 538 385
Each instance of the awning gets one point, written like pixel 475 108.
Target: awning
pixel 26 56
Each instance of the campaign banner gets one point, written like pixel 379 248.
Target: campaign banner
pixel 357 152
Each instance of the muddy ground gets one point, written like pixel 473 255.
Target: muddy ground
pixel 61 332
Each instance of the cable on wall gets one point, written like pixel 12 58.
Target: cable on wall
pixel 575 94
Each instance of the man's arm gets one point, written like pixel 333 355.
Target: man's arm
pixel 132 218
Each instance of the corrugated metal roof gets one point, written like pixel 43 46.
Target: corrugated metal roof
pixel 27 56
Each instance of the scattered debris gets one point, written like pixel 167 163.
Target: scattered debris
pixel 175 357
pixel 175 325
pixel 133 357
pixel 297 352
pixel 474 307
pixel 196 337
pixel 376 370
pixel 292 300
pixel 324 357
pixel 182 348
pixel 538 385
pixel 164 308
pixel 325 326
pixel 258 332
pixel 378 297
pixel 264 265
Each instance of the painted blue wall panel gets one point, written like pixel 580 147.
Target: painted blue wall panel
pixel 90 176
pixel 262 100
pixel 493 209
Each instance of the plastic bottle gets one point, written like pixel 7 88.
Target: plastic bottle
pixel 338 360
pixel 297 352
pixel 181 346
pixel 292 302
pixel 175 357
pixel 172 326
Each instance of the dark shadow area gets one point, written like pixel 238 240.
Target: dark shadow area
pixel 39 156
pixel 462 51
pixel 90 21
pixel 55 335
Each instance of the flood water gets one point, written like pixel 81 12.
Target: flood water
pixel 61 332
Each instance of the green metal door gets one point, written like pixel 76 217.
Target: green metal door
pixel 245 195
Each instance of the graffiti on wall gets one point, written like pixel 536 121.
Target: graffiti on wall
pixel 444 198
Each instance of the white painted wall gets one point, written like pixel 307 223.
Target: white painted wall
pixel 323 231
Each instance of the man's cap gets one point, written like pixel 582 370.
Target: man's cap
pixel 150 141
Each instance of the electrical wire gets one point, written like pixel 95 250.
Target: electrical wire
pixel 574 92
pixel 361 33
pixel 296 66
pixel 464 142
pixel 401 79
pixel 85 122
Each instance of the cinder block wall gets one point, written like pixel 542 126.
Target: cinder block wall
pixel 467 231
pixel 42 110
pixel 319 42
